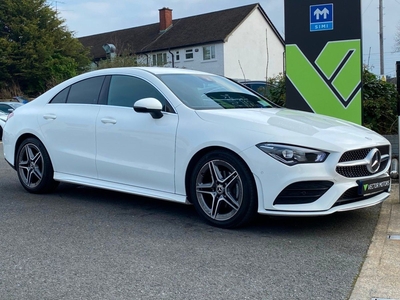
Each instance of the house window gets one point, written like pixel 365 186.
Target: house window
pixel 208 52
pixel 177 57
pixel 189 54
pixel 159 59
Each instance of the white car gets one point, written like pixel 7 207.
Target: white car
pixel 3 119
pixel 193 137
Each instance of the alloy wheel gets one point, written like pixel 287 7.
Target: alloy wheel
pixel 30 165
pixel 219 190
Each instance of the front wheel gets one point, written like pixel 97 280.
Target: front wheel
pixel 34 168
pixel 222 190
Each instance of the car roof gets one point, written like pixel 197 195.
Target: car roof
pixel 160 70
pixel 131 71
pixel 135 70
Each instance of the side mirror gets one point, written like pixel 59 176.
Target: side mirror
pixel 149 105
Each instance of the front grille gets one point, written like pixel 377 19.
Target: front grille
pixel 362 170
pixel 355 155
pixel 303 192
pixel 356 171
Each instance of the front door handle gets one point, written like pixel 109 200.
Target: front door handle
pixel 108 121
pixel 49 116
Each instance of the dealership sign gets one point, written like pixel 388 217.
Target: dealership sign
pixel 323 57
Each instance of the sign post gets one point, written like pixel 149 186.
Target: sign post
pixel 323 57
pixel 398 106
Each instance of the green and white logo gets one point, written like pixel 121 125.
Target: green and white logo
pixel 331 85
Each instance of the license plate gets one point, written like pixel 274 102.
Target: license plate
pixel 374 185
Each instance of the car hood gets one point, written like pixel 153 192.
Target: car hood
pixel 296 127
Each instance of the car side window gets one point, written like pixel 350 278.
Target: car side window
pixel 126 90
pixel 4 108
pixel 86 91
pixel 61 97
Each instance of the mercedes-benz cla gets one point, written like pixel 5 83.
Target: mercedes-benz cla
pixel 198 138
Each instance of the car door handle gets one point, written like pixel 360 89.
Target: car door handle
pixel 49 117
pixel 108 121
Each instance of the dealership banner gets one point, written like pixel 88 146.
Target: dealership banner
pixel 324 57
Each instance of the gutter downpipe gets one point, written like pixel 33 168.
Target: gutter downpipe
pixel 173 58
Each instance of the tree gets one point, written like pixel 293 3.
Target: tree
pixel 277 89
pixel 37 48
pixel 379 104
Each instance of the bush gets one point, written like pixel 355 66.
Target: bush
pixel 9 91
pixel 277 89
pixel 379 104
pixel 118 61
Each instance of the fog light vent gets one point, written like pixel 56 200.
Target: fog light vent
pixel 303 192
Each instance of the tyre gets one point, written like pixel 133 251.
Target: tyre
pixel 34 168
pixel 223 190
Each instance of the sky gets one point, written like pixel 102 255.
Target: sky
pixel 97 16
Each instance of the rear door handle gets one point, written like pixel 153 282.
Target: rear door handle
pixel 108 121
pixel 49 117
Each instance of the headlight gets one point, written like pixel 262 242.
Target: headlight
pixel 292 155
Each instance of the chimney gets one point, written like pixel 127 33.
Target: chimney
pixel 165 18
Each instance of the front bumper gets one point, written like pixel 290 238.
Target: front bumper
pixel 330 192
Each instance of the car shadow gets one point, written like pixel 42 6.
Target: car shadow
pixel 149 209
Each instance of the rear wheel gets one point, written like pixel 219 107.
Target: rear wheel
pixel 34 168
pixel 222 190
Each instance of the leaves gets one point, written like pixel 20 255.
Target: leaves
pixel 36 47
pixel 277 89
pixel 379 104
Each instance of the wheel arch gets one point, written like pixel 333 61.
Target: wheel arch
pixel 20 140
pixel 203 152
pixel 37 173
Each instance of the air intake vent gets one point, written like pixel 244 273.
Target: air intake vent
pixel 303 192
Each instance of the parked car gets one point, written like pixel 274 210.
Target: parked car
pixel 260 87
pixel 193 137
pixel 3 118
pixel 21 99
pixel 6 107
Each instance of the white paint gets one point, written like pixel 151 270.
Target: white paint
pixel 248 45
pixel 117 148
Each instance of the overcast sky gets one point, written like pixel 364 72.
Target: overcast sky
pixel 98 16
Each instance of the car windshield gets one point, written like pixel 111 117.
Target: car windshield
pixel 212 92
pixel 15 104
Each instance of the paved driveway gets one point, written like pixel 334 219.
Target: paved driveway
pixel 84 243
